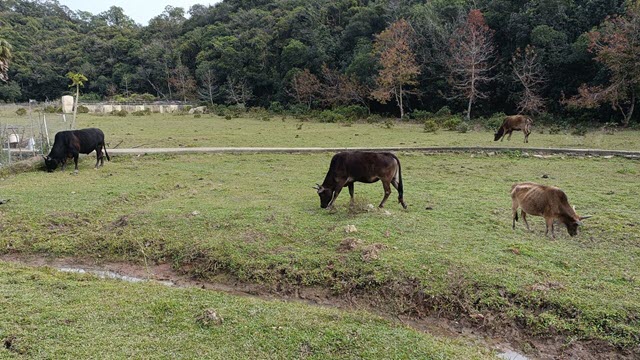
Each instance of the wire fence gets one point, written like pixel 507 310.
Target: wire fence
pixel 29 132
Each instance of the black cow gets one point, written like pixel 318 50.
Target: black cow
pixel 367 167
pixel 72 143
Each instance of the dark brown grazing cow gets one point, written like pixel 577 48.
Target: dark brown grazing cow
pixel 72 143
pixel 511 123
pixel 366 167
pixel 546 201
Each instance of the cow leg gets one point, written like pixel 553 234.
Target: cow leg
pixel 394 182
pixel 549 223
pixel 336 192
pixel 76 155
pixel 514 214
pixel 387 191
pixel 510 132
pixel 524 219
pixel 98 156
pixel 351 202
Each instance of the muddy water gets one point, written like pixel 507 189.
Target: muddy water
pixel 164 275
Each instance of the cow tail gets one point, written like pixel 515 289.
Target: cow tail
pixel 104 146
pixel 400 187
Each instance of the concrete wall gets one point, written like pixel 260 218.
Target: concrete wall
pixel 107 108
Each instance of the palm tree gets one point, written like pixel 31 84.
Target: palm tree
pixel 5 57
pixel 77 80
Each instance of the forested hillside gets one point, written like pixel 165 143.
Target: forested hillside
pixel 564 57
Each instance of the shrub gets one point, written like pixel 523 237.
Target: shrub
pixel 421 115
pixel 276 107
pixel 83 109
pixel 329 116
pixel 555 129
pixel 142 112
pixel 430 126
pixel 389 124
pixel 120 113
pixel 298 109
pixel 374 118
pixel 52 109
pixel 463 127
pixel 610 128
pixel 495 121
pixel 444 111
pixel 197 116
pixel 452 123
pixel 21 112
pixel 228 117
pixel 580 130
pixel 545 118
pixel 266 118
pixel 352 111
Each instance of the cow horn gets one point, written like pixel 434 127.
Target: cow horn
pixel 585 217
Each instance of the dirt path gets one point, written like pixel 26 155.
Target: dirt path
pixel 442 149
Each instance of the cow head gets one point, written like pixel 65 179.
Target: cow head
pixel 50 163
pixel 572 226
pixel 496 136
pixel 325 194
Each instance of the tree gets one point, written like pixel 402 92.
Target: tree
pixel 183 82
pixel 305 87
pixel 5 58
pixel 238 91
pixel 77 80
pixel 471 52
pixel 616 45
pixel 528 72
pixel 208 88
pixel 399 66
pixel 340 89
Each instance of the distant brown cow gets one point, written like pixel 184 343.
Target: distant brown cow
pixel 367 167
pixel 511 123
pixel 546 201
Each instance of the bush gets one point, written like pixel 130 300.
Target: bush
pixel 555 129
pixel 374 118
pixel 430 126
pixel 298 109
pixel 228 117
pixel 352 111
pixel 580 130
pixel 610 128
pixel 495 121
pixel 120 113
pixel 444 111
pixel 463 127
pixel 389 124
pixel 329 116
pixel 421 115
pixel 141 112
pixel 52 109
pixel 266 118
pixel 21 112
pixel 276 108
pixel 83 109
pixel 452 123
pixel 197 116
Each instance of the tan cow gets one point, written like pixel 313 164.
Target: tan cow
pixel 547 201
pixel 511 123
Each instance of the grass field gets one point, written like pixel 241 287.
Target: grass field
pixel 50 315
pixel 159 130
pixel 257 219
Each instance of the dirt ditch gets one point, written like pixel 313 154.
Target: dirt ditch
pixel 509 341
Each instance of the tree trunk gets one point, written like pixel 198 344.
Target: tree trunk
pixel 469 108
pixel 75 108
pixel 401 105
pixel 629 114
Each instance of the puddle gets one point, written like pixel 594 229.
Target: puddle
pixel 103 274
pixel 511 355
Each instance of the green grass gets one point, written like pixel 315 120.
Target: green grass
pixel 186 131
pixel 49 315
pixel 258 219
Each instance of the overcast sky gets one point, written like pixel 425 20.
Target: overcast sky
pixel 141 11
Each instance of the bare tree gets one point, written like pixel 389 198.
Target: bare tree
pixel 208 89
pixel 238 91
pixel 529 73
pixel 183 82
pixel 471 58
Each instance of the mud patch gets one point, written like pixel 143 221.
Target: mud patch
pixel 372 252
pixel 349 244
